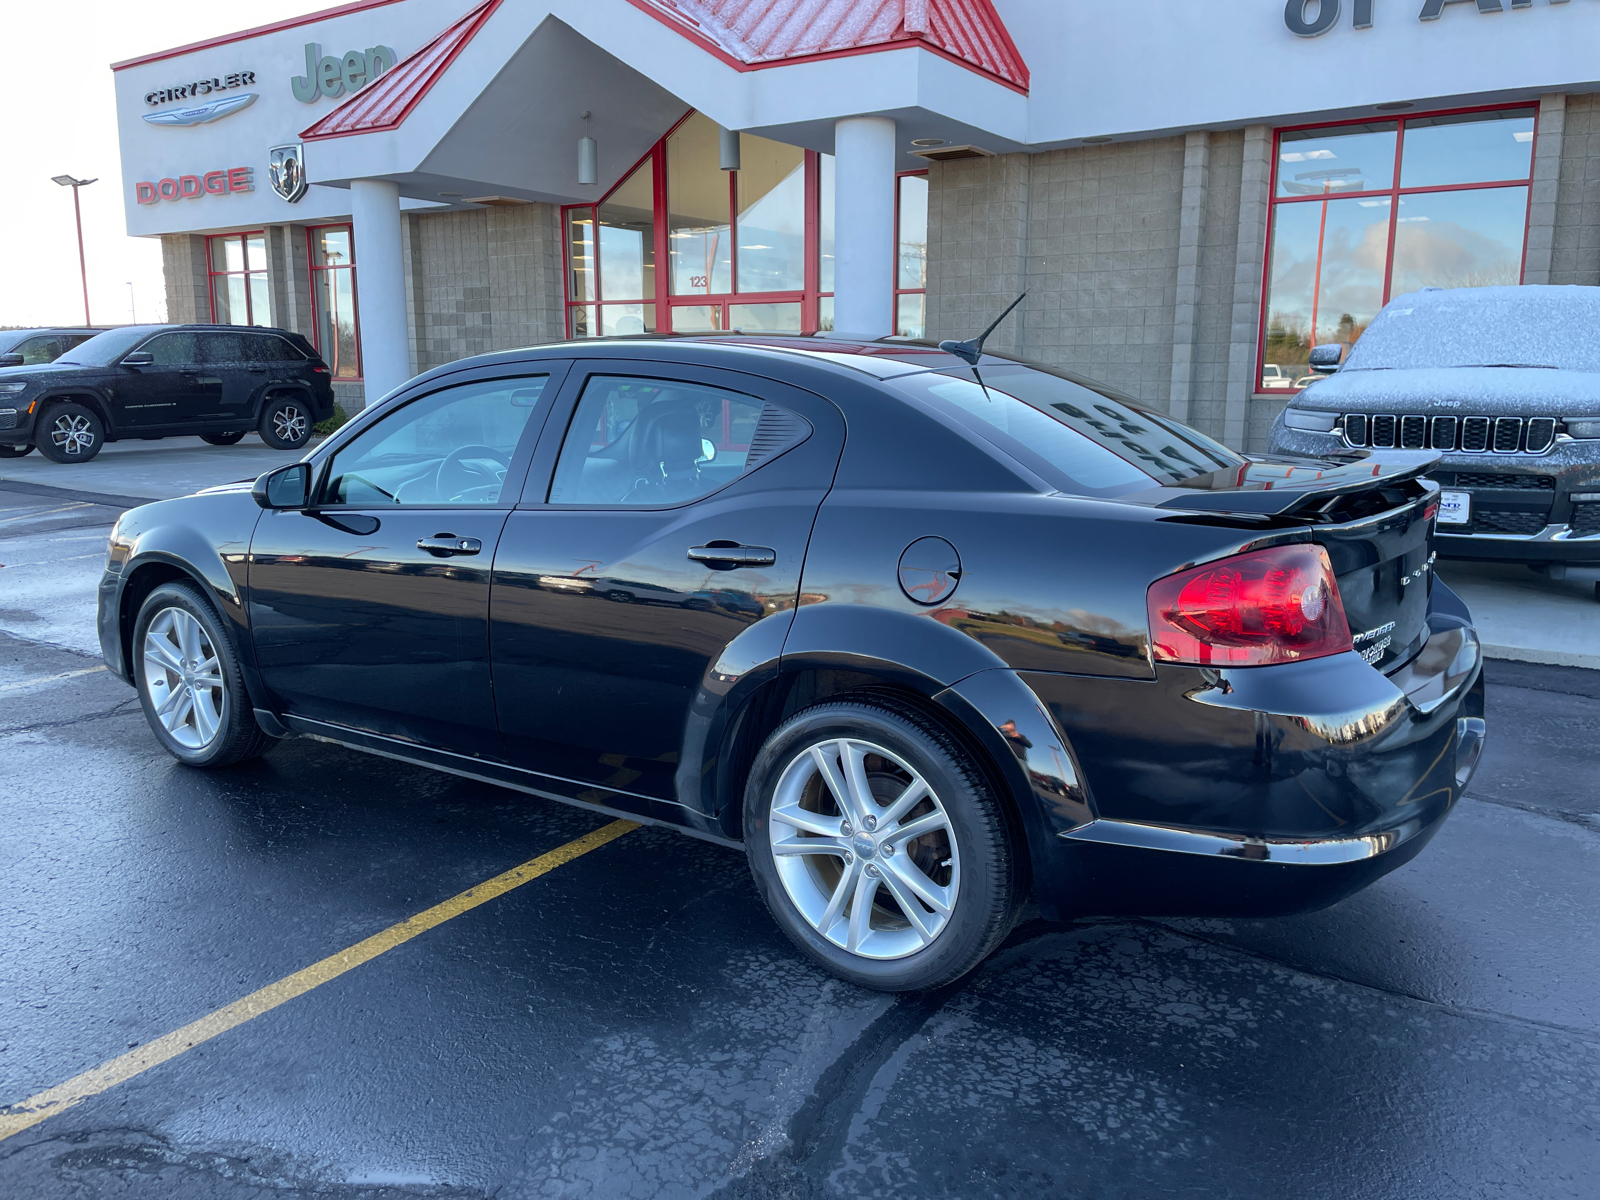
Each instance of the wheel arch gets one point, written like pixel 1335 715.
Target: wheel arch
pixel 155 561
pixel 801 685
pixel 89 399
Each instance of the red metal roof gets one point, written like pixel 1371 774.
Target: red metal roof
pixel 384 104
pixel 750 34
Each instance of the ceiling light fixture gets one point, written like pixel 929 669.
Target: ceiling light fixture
pixel 925 142
pixel 1097 140
pixel 1394 106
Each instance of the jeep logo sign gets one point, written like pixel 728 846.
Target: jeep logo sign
pixel 330 76
pixel 1313 18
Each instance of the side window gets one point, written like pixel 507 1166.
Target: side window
pixel 657 442
pixel 173 350
pixel 453 446
pixel 269 348
pixel 221 347
pixel 43 349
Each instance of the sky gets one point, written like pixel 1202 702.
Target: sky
pixel 62 121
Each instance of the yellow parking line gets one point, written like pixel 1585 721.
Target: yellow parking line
pixel 17 1117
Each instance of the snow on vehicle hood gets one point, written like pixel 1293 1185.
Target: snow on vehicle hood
pixel 1468 391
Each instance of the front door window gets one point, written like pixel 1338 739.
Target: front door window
pixel 452 447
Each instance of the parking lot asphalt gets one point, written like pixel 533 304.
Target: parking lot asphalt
pixel 631 1023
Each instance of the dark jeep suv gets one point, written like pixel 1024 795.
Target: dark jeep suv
pixel 155 381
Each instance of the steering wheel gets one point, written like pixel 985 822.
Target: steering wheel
pixel 457 475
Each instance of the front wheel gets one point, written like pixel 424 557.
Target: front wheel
pixel 285 423
pixel 221 439
pixel 879 846
pixel 72 433
pixel 15 451
pixel 189 682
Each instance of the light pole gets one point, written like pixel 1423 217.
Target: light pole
pixel 132 306
pixel 77 212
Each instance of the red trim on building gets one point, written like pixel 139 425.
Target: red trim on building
pixel 747 37
pixel 383 105
pixel 247 34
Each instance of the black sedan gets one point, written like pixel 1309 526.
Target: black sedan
pixel 924 639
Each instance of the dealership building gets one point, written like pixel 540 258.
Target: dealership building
pixel 1191 195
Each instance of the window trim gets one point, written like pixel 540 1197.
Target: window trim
pixel 355 302
pixel 212 274
pixel 894 320
pixel 1394 191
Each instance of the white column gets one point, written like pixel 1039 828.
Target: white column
pixel 864 249
pixel 380 285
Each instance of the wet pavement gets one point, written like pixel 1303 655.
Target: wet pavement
pixel 632 1024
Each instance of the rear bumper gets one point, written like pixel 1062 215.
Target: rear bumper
pixel 1264 791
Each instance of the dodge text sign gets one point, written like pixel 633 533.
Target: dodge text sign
pixel 192 187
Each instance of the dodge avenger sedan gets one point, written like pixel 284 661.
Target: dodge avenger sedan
pixel 924 633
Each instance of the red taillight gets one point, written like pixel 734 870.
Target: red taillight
pixel 1271 606
pixel 320 369
pixel 1431 511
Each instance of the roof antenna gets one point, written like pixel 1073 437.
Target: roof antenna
pixel 971 351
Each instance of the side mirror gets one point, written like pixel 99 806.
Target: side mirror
pixel 10 360
pixel 1325 360
pixel 139 358
pixel 284 487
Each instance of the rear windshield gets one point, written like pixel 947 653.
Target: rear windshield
pixel 1082 439
pixel 1484 327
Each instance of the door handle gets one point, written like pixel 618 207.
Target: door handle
pixel 444 545
pixel 725 556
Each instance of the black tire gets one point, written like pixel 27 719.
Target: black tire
pixel 285 423
pixel 15 451
pixel 982 877
pixel 236 735
pixel 221 439
pixel 69 433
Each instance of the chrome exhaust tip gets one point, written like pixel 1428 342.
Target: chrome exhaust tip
pixel 1469 748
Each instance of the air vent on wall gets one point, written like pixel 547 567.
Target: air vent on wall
pixel 953 153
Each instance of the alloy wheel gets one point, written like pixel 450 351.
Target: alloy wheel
pixel 72 433
pixel 864 849
pixel 289 423
pixel 183 678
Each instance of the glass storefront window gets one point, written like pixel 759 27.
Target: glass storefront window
pixel 238 276
pixel 771 234
pixel 1347 235
pixel 628 238
pixel 333 300
pixel 699 229
pixel 1471 148
pixel 825 226
pixel 580 254
pixel 765 318
pixel 748 249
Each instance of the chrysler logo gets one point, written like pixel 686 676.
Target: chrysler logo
pixel 286 169
pixel 200 114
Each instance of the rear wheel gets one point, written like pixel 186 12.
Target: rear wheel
pixel 879 846
pixel 285 423
pixel 221 439
pixel 189 682
pixel 15 451
pixel 70 433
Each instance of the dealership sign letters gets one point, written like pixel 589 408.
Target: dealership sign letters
pixel 330 76
pixel 1313 18
pixel 192 187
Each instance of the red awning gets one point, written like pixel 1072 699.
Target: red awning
pixel 388 101
pixel 750 34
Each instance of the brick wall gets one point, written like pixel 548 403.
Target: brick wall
pixel 183 263
pixel 1575 254
pixel 1219 246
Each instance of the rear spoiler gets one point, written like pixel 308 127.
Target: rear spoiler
pixel 1284 487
